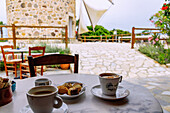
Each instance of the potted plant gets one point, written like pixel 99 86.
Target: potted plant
pixel 65 66
pixel 5 91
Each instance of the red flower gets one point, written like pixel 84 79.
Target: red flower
pixel 163 8
pixel 166 7
pixel 164 3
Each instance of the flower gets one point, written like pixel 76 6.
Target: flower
pixel 154 42
pixel 161 19
pixel 150 38
pixel 157 39
pixel 152 21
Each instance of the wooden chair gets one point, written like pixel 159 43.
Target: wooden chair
pixel 51 60
pixel 24 67
pixel 10 64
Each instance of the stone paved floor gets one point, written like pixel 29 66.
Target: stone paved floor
pixel 95 58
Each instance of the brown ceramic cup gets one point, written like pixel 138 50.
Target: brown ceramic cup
pixel 42 99
pixel 5 96
pixel 109 83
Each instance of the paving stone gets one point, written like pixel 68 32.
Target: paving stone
pixel 150 87
pixel 160 69
pixel 167 108
pixel 125 67
pixel 155 84
pixel 166 93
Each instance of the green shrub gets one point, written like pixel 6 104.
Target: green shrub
pixel 53 49
pixel 2 67
pixel 158 53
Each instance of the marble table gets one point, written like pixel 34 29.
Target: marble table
pixel 140 99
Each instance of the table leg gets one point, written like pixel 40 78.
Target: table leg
pixel 22 57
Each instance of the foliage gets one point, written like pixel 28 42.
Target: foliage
pixel 1 23
pixel 77 22
pixel 155 40
pixel 158 53
pixel 162 19
pixel 53 49
pixel 146 32
pixel 101 31
pixel 2 67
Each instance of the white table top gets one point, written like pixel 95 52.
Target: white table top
pixel 139 100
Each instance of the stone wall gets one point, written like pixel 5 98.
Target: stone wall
pixel 41 13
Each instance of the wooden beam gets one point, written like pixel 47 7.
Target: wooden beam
pixel 14 35
pixel 133 37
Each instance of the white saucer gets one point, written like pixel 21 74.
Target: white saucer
pixel 62 109
pixel 120 93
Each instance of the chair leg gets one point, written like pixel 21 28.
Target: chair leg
pixel 15 65
pixel 35 71
pixel 6 70
pixel 13 69
pixel 20 71
pixel 41 70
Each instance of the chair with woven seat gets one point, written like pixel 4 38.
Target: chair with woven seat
pixel 12 63
pixel 51 60
pixel 24 67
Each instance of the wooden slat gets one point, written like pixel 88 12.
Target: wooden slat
pixel 40 38
pixel 147 29
pixel 41 26
pixel 10 67
pixel 25 71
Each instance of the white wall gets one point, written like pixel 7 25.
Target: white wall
pixel 3 11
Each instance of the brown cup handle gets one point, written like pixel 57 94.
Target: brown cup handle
pixel 60 102
pixel 120 79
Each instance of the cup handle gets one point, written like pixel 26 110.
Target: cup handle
pixel 120 79
pixel 60 102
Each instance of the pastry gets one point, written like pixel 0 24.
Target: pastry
pixel 73 91
pixel 68 85
pixel 62 89
pixel 77 86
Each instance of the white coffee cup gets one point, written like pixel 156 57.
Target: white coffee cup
pixel 42 99
pixel 109 83
pixel 42 82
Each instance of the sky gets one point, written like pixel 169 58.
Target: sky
pixel 124 14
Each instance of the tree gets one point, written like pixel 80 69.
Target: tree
pixel 1 23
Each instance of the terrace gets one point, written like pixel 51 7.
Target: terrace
pixel 104 54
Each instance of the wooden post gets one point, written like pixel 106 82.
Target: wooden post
pixel 133 37
pixel 14 35
pixel 101 38
pixel 106 38
pixel 66 37
pixel 121 38
pixel 1 32
pixel 84 38
pixel 112 38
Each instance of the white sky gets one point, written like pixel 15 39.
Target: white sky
pixel 124 14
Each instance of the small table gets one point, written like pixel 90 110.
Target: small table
pixel 140 99
pixel 22 50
